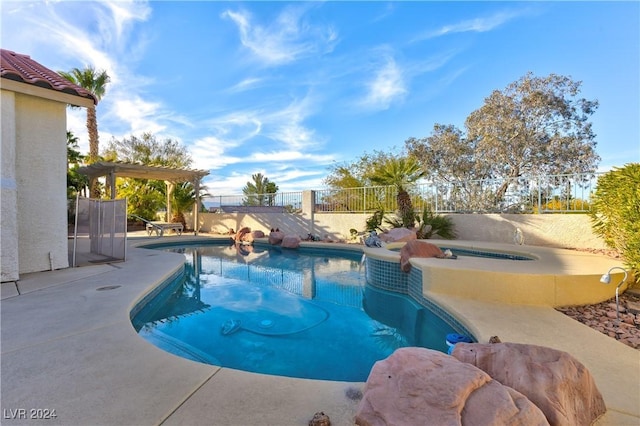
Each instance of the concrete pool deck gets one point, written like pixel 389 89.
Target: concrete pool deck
pixel 68 345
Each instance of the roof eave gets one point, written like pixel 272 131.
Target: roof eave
pixel 51 94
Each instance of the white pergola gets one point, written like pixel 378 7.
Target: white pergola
pixel 169 175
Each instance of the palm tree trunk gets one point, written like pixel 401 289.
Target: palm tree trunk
pixel 405 208
pixel 92 129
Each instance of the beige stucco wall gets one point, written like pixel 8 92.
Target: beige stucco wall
pixel 550 230
pixel 8 196
pixel 547 230
pixel 39 141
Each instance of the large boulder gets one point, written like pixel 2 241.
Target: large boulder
pixel 257 234
pixel 276 237
pixel 418 386
pixel 398 235
pixel 553 380
pixel 417 248
pixel 291 241
pixel 244 236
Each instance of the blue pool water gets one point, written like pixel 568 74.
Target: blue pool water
pixel 300 313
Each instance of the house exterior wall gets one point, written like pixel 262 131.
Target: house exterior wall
pixel 40 182
pixel 8 189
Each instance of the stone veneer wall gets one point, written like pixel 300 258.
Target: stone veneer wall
pixel 549 230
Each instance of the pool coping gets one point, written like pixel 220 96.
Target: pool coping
pixel 68 347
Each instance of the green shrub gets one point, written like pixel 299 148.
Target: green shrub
pixel 430 224
pixel 374 223
pixel 615 213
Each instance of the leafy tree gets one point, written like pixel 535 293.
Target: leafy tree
pixel 536 125
pixel 260 192
pixel 145 197
pixel 615 213
pixel 399 172
pixel 76 182
pixel 345 176
pixel 447 155
pixel 449 158
pixel 357 175
pixel 150 151
pixel 96 82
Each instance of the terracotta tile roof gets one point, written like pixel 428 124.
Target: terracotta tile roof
pixel 22 68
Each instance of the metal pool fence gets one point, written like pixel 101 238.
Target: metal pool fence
pixel 100 233
pixel 567 193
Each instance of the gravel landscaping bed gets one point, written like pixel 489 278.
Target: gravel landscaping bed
pixel 603 317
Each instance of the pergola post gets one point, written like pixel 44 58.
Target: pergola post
pixel 196 206
pixel 112 184
pixel 170 188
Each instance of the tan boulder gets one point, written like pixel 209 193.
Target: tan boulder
pixel 553 380
pixel 244 236
pixel 398 235
pixel 257 234
pixel 418 386
pixel 291 241
pixel 276 237
pixel 417 248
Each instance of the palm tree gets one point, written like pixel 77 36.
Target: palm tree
pixel 400 172
pixel 182 199
pixel 256 191
pixel 96 83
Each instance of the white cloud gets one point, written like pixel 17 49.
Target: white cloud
pixel 235 128
pixel 66 35
pixel 123 13
pixel 286 39
pixel 386 86
pixel 286 125
pixel 246 84
pixel 286 156
pixel 209 153
pixel 479 25
pixel 140 115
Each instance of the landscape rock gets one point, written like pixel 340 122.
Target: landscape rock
pixel 553 380
pixel 276 237
pixel 320 419
pixel 244 236
pixel 602 317
pixel 417 248
pixel 257 234
pixel 418 386
pixel 397 235
pixel 291 241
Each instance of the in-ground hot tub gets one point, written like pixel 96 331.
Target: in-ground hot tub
pixel 551 277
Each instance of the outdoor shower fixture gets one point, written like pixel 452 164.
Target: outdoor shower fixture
pixel 606 279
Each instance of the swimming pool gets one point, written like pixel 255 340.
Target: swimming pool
pixel 304 313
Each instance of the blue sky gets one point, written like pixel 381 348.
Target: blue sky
pixel 289 89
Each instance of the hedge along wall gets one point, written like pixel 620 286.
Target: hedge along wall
pixel 549 230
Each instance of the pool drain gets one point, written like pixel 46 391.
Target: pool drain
pixel 266 323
